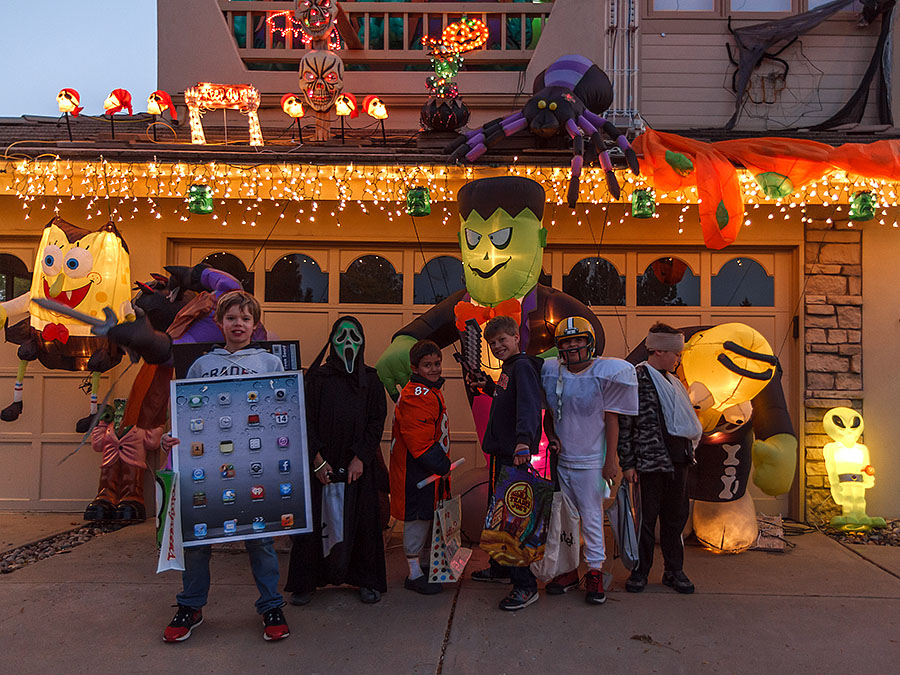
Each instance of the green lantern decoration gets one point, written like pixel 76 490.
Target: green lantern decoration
pixel 200 199
pixel 862 206
pixel 418 201
pixel 643 204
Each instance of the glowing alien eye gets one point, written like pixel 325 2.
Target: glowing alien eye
pixel 552 106
pixel 542 104
pixel 838 422
pixel 78 263
pixel 472 238
pixel 52 260
pixel 855 423
pixel 501 238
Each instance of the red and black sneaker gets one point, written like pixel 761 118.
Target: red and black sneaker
pixel 276 625
pixel 593 583
pixel 179 629
pixel 563 583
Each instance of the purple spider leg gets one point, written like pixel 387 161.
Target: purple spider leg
pixel 611 181
pixel 613 132
pixel 473 140
pixel 577 163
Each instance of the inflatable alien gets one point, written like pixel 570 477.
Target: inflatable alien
pixel 85 271
pixel 734 381
pixel 849 471
pixel 502 240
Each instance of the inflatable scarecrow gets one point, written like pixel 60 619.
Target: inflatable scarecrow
pixel 734 382
pixel 502 241
pixel 85 271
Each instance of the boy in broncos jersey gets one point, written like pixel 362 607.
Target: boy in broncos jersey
pixel 420 444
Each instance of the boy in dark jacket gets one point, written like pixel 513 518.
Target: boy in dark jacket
pixel 656 448
pixel 420 443
pixel 512 436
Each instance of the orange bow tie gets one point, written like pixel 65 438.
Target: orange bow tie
pixel 55 331
pixel 466 310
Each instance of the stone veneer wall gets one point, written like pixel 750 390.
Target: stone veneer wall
pixel 833 346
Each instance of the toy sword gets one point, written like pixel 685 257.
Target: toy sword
pixel 98 326
pixel 433 477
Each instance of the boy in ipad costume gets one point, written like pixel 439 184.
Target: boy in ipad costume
pixel 585 396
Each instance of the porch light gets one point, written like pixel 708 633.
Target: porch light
pixel 200 199
pixel 862 206
pixel 643 204
pixel 418 201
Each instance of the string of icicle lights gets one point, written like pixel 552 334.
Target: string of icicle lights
pixel 126 185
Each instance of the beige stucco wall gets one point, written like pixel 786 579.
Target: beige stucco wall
pixel 881 367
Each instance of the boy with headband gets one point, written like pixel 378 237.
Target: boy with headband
pixel 656 448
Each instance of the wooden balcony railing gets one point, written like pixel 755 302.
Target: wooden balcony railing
pixel 514 31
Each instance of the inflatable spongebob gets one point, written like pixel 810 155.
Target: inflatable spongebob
pixel 83 270
pixel 849 471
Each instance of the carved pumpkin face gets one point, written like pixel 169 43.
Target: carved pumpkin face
pixel 465 35
pixel 316 17
pixel 322 78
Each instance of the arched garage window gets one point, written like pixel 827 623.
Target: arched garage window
pixel 372 280
pixel 296 277
pixel 233 265
pixel 440 278
pixel 668 282
pixel 595 281
pixel 743 282
pixel 15 278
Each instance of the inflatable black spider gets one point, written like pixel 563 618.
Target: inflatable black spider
pixel 569 95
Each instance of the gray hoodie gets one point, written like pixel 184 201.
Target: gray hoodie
pixel 222 363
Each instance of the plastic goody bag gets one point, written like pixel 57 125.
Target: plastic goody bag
pixel 448 556
pixel 563 548
pixel 621 521
pixel 518 517
pixel 168 523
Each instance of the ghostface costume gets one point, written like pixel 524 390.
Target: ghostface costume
pixel 345 413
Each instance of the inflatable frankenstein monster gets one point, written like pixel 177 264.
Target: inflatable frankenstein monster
pixel 502 243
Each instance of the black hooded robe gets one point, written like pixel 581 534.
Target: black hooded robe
pixel 345 415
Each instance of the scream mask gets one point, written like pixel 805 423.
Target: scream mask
pixel 347 343
pixel 316 17
pixel 84 270
pixel 501 237
pixel 322 78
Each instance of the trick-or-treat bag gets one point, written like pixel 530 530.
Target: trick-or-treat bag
pixel 621 522
pixel 448 556
pixel 168 522
pixel 563 549
pixel 518 518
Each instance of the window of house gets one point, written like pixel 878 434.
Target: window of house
pixel 683 5
pixel 668 282
pixel 760 5
pixel 440 278
pixel 15 278
pixel 545 278
pixel 233 265
pixel 296 277
pixel 595 281
pixel 742 282
pixel 371 280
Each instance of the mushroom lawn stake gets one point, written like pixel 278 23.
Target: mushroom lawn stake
pixel 68 100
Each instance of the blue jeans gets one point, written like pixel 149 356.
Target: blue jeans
pixel 263 563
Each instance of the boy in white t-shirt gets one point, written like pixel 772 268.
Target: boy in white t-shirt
pixel 584 397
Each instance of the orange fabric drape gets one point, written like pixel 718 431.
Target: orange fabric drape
pixel 780 163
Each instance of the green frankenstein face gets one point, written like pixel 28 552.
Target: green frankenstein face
pixel 501 255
